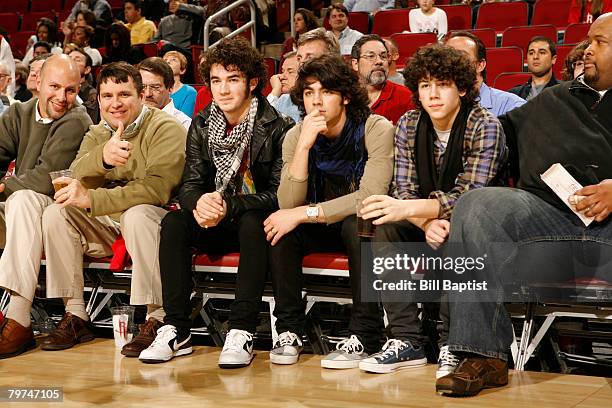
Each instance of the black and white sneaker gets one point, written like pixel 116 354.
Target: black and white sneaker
pixel 166 346
pixel 394 355
pixel 447 362
pixel 237 349
pixel 287 349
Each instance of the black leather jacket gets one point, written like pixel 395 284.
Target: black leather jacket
pixel 266 162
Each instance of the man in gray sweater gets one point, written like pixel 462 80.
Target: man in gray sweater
pixel 41 135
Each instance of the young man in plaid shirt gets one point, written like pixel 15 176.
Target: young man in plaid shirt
pixel 447 146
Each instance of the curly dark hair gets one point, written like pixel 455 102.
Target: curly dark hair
pixel 576 54
pixel 334 75
pixel 236 53
pixel 443 63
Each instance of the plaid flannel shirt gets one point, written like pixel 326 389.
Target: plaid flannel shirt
pixel 483 147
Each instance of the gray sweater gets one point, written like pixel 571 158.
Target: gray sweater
pixel 38 148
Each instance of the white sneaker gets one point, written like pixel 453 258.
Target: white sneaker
pixel 395 354
pixel 447 362
pixel 166 346
pixel 349 352
pixel 287 349
pixel 237 349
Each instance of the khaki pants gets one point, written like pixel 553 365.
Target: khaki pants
pixel 69 233
pixel 21 236
pixel 29 220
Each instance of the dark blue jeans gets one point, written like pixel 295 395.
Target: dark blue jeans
pixel 524 238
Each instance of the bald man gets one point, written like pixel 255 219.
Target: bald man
pixel 41 135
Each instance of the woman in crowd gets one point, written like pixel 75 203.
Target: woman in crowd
pixel 118 46
pixel 46 30
pixel 303 20
pixel 428 19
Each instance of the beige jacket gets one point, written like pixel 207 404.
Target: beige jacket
pixel 375 180
pixel 151 174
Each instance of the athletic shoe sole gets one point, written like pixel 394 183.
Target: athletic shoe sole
pixel 58 347
pixel 389 368
pixel 340 365
pixel 182 352
pixel 240 364
pixel 283 360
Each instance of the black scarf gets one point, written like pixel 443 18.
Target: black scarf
pixel 451 164
pixel 335 166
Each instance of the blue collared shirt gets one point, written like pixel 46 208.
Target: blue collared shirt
pixel 497 101
pixel 285 105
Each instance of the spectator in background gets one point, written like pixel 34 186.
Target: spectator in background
pixel 5 80
pixel 46 30
pixel 219 27
pixel 6 56
pixel 281 86
pixel 88 96
pixel 154 9
pixel 40 48
pixel 574 62
pixel 204 96
pixel 141 29
pixel 118 46
pixel 394 76
pixel 496 101
pixel 83 18
pixel 541 56
pixel 586 11
pixel 100 8
pixel 303 21
pixel 428 19
pixel 81 37
pixel 370 59
pixel 157 82
pixel 35 67
pixel 338 19
pixel 183 95
pixel 371 6
pixel 22 93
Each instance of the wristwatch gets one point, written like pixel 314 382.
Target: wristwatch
pixel 312 212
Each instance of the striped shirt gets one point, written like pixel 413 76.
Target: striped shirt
pixel 483 145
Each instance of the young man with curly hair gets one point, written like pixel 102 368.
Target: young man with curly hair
pixel 446 147
pixel 338 154
pixel 231 175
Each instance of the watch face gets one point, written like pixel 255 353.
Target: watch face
pixel 312 211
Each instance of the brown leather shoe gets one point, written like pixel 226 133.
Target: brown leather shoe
pixel 71 330
pixel 147 334
pixel 472 375
pixel 14 338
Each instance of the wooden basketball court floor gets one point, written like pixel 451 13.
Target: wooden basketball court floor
pixel 95 374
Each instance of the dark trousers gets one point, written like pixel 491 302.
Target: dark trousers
pixel 180 233
pixel 286 266
pixel 402 314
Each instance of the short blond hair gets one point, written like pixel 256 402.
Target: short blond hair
pixel 182 59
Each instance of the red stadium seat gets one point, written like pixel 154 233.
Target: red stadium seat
pixel 30 19
pixel 10 22
pixel 520 36
pixel 562 51
pixel 502 15
pixel 62 16
pixel 358 20
pixel 116 3
pixel 46 5
pixel 504 59
pixel 387 22
pixel 459 16
pixel 19 42
pixel 553 12
pixel 409 43
pixel 574 33
pixel 507 80
pixel 196 50
pixel 15 6
pixel 271 69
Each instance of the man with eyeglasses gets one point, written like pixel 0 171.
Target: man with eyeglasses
pixel 370 58
pixel 157 83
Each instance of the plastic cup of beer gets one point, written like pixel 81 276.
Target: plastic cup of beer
pixel 57 174
pixel 365 228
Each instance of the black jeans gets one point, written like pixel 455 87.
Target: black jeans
pixel 180 233
pixel 286 266
pixel 404 323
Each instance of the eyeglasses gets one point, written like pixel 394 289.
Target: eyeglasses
pixel 578 63
pixel 2 76
pixel 153 88
pixel 370 56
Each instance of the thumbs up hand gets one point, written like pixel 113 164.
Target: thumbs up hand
pixel 116 152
